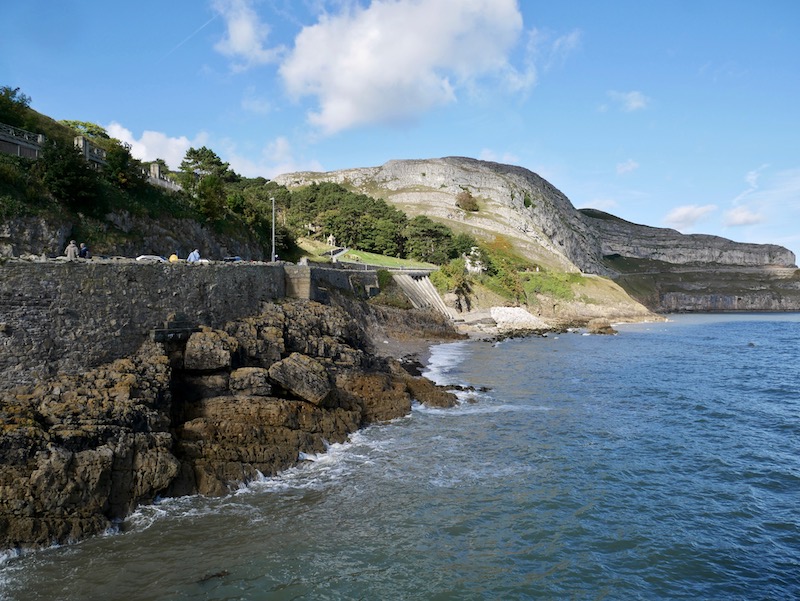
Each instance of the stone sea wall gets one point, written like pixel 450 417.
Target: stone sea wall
pixel 59 316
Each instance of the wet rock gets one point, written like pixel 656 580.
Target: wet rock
pixel 600 326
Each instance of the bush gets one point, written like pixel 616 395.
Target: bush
pixel 466 201
pixel 554 284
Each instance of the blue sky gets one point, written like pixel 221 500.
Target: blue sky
pixel 681 114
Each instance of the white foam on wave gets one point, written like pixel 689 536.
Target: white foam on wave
pixel 468 409
pixel 452 476
pixel 444 357
pixel 319 470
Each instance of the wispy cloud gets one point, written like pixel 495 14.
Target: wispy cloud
pixel 768 196
pixel 685 217
pixel 627 167
pixel 740 216
pixel 393 61
pixel 275 158
pixel 629 101
pixel 507 158
pixel 602 204
pixel 549 51
pixel 245 37
pixel 253 103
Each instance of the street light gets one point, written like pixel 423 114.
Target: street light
pixel 272 198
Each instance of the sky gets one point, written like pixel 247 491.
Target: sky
pixel 669 113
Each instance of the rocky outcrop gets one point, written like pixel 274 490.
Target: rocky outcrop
pixel 78 452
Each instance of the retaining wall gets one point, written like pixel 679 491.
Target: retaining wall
pixel 66 316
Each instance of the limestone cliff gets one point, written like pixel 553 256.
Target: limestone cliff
pixel 198 415
pixel 543 224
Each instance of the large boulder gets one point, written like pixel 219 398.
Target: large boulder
pixel 209 350
pixel 303 377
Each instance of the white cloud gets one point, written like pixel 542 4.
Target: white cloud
pixel 154 145
pixel 274 159
pixel 629 101
pixel 739 216
pixel 394 60
pixel 627 167
pixel 245 36
pixel 685 217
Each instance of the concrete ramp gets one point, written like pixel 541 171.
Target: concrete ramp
pixel 422 293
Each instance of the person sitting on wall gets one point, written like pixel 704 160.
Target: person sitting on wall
pixel 174 258
pixel 194 256
pixel 71 251
pixel 84 252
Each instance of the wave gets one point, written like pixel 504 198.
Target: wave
pixel 444 359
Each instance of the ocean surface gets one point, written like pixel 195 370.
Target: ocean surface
pixel 661 463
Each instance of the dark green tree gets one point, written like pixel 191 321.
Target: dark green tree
pixel 210 197
pixel 68 177
pixel 201 162
pixel 122 169
pixel 427 240
pixel 462 244
pixel 13 106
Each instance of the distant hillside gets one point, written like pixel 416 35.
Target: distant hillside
pixel 543 225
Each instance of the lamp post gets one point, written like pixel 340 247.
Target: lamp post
pixel 272 198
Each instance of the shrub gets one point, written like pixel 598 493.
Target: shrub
pixel 465 200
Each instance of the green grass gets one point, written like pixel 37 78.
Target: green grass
pixel 360 256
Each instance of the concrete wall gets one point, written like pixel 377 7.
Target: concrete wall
pixel 312 281
pixel 66 316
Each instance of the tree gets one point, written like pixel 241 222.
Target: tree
pixel 210 197
pixel 462 244
pixel 122 169
pixel 427 240
pixel 13 106
pixel 201 162
pixel 68 177
pixel 86 128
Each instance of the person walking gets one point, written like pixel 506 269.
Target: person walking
pixel 71 251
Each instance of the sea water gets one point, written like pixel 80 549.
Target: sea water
pixel 661 463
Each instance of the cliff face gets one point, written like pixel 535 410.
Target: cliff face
pixel 542 223
pixel 619 237
pixel 198 415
